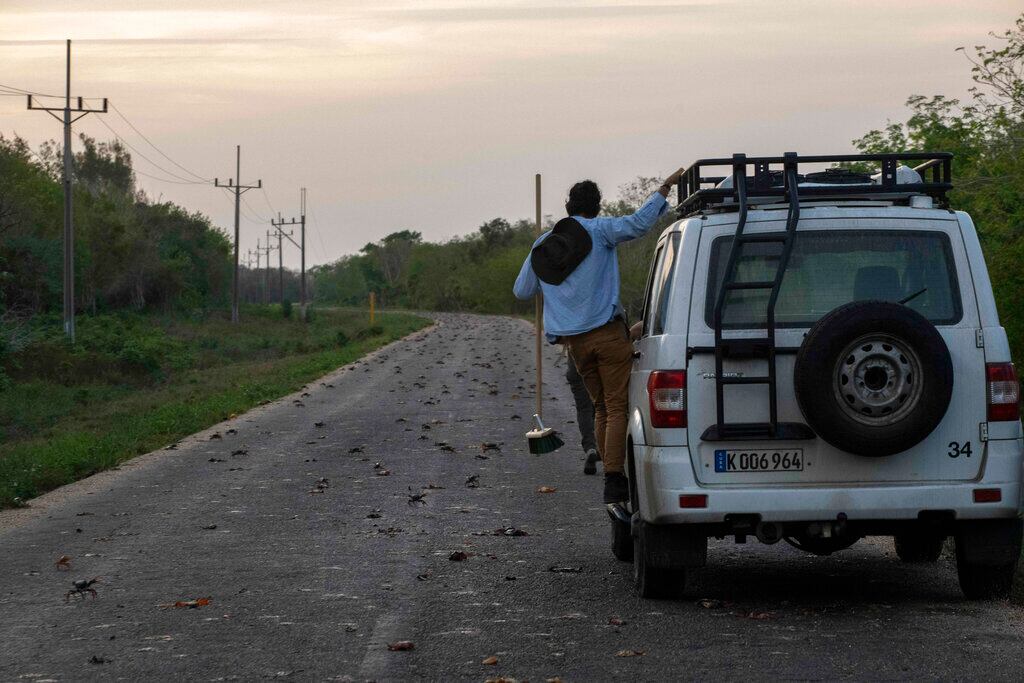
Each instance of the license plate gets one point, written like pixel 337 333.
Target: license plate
pixel 791 460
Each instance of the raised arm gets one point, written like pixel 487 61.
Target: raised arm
pixel 618 229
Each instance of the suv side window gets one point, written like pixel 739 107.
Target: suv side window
pixel 649 298
pixel 666 273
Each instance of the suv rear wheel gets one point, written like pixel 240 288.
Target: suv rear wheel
pixel 918 547
pixel 987 552
pixel 653 581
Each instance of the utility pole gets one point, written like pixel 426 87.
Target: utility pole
pixel 69 227
pixel 260 276
pixel 302 247
pixel 239 189
pixel 280 265
pixel 249 270
pixel 266 278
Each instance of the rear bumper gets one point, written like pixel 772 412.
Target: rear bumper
pixel 666 473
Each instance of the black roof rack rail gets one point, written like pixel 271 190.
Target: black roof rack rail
pixel 698 192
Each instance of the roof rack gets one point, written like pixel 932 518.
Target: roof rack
pixel 698 192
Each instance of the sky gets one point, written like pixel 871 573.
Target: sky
pixel 435 116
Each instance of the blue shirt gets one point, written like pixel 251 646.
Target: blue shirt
pixel 589 297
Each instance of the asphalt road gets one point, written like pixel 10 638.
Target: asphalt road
pixel 312 582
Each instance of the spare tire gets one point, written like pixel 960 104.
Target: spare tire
pixel 873 378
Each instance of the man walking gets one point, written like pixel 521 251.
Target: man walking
pixel 575 267
pixel 584 416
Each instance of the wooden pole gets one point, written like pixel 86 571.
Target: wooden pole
pixel 373 298
pixel 539 323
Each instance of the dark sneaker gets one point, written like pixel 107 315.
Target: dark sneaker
pixel 616 487
pixel 590 466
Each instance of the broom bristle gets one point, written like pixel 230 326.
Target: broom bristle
pixel 543 441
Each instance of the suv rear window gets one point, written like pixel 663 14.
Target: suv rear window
pixel 831 268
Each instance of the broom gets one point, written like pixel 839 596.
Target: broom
pixel 541 439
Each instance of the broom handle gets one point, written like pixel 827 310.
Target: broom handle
pixel 539 321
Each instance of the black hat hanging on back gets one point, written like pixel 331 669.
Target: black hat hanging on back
pixel 557 256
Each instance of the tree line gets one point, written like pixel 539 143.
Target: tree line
pixel 474 272
pixel 130 251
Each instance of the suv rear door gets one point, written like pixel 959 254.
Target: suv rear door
pixel 834 261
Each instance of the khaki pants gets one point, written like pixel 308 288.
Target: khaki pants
pixel 604 357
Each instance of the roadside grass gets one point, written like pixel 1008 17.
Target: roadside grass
pixel 135 383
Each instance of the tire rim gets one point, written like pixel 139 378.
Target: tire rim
pixel 878 379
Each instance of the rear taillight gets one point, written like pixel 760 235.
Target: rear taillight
pixel 666 390
pixel 1003 392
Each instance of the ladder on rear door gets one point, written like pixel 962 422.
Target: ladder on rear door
pixel 760 347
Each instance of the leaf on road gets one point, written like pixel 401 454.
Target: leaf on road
pixel 433 486
pixel 401 646
pixel 188 604
pixel 565 570
pixel 458 556
pixel 356 449
pixel 489 446
pixel 473 481
pixel 630 653
pixel 490 661
pixel 510 531
pixel 615 621
pixel 546 489
pixel 63 563
pixel 756 615
pixel 709 603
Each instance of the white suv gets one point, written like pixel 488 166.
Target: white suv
pixel 840 374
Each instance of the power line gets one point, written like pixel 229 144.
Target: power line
pixel 256 213
pixel 246 215
pixel 182 180
pixel 316 227
pixel 28 92
pixel 166 180
pixel 266 198
pixel 160 151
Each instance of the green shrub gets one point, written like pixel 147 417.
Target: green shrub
pixel 370 331
pixel 340 338
pixel 286 308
